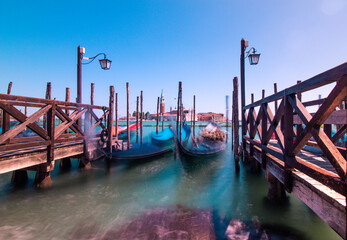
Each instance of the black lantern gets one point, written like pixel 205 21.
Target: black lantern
pixel 105 63
pixel 254 58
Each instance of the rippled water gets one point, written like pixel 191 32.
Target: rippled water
pixel 88 204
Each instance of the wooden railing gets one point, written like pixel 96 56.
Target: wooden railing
pixel 290 140
pixel 60 123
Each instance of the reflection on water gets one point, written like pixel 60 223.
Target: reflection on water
pixel 167 198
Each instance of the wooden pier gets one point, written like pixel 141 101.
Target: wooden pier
pixel 297 149
pixel 67 130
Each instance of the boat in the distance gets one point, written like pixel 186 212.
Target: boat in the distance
pixel 209 142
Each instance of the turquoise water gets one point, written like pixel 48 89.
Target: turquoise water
pixel 85 204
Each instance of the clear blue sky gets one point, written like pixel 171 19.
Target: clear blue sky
pixel 156 43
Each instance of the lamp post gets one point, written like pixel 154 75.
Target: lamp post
pixel 253 60
pixel 105 64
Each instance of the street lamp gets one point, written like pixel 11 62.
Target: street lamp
pixel 104 64
pixel 253 60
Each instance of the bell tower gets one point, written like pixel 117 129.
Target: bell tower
pixel 162 103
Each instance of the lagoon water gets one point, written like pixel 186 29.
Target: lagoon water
pixel 86 204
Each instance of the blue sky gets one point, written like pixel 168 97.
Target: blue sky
pixel 154 44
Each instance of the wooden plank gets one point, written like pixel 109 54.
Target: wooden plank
pixel 72 118
pixel 329 149
pixel 336 117
pixel 334 98
pixel 47 101
pixel 65 125
pixel 31 120
pixel 36 158
pixel 327 204
pixel 19 128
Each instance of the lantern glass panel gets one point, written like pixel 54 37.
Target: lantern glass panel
pixel 254 58
pixel 105 64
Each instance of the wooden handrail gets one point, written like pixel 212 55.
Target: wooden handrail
pixel 333 75
pixel 30 101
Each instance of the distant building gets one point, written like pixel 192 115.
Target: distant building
pixel 172 115
pixel 131 118
pixel 217 117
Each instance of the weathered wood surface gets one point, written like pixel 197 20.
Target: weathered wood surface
pixel 316 175
pixel 325 202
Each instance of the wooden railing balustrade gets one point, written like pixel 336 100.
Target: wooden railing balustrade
pixel 290 140
pixel 61 123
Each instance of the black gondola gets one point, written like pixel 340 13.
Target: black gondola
pixel 201 148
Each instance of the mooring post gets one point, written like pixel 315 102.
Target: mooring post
pixel 157 127
pixel 110 121
pixel 178 106
pixel 116 127
pixel 227 117
pixel 19 177
pixel 243 96
pixel 137 119
pixel 235 123
pixel 275 91
pixel 43 177
pixel 263 133
pixel 48 96
pixel 162 121
pixel 194 116
pixel 181 114
pixel 141 118
pixel 128 129
pixel 65 163
pixel 6 117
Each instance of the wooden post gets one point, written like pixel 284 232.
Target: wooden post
pixel 235 123
pixel 67 99
pixel 194 116
pixel 137 119
pixel 251 126
pixel 275 91
pixel 128 129
pixel 263 130
pixel 178 106
pixel 6 117
pixel 116 110
pixel 162 122
pixel 157 127
pixel 141 118
pixel 288 141
pixel 43 177
pixel 110 121
pixel 181 115
pixel 92 94
pixel 299 126
pixel 227 117
pixel 48 96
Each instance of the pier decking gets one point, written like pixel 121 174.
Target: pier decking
pixel 67 130
pixel 279 143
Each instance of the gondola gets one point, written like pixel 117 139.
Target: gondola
pixel 140 151
pixel 201 148
pixel 163 138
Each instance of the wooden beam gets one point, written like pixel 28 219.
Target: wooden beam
pixel 334 98
pixel 329 149
pixel 22 118
pixel 333 75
